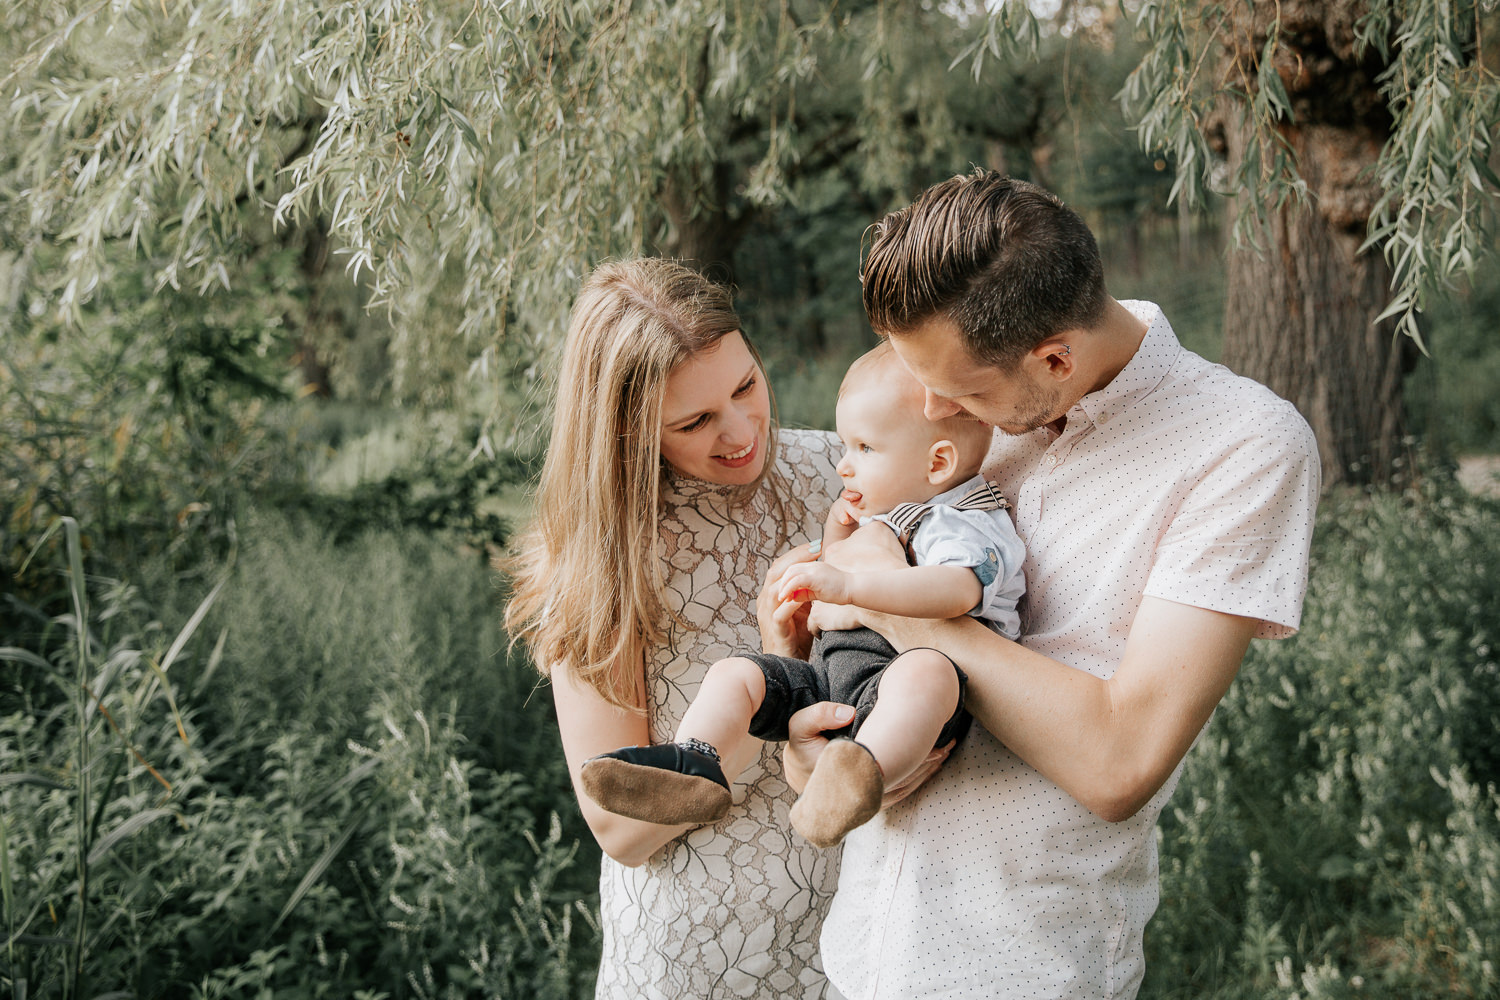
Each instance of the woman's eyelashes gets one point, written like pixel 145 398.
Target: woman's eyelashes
pixel 702 419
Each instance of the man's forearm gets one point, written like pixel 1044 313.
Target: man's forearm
pixel 1045 711
pixel 1109 743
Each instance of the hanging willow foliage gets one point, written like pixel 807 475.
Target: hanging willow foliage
pixel 1434 62
pixel 503 146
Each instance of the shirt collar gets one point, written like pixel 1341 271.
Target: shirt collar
pixel 1145 370
pixel 958 492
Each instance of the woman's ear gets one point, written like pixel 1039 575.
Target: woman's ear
pixel 942 462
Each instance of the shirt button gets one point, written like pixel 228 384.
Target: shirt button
pixel 1051 459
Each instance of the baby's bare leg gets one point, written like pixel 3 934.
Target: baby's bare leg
pixel 919 691
pixel 918 694
pixel 731 694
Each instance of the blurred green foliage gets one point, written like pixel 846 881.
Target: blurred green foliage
pixel 1454 395
pixel 327 783
pixel 1337 830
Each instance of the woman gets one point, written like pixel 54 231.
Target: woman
pixel 666 492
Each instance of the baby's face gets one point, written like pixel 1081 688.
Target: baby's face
pixel 886 446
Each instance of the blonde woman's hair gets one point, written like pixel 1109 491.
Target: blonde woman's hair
pixel 588 577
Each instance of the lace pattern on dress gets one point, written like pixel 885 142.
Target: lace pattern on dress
pixel 732 910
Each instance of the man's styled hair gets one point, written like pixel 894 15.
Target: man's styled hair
pixel 1003 259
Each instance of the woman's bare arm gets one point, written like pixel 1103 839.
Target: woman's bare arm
pixel 591 726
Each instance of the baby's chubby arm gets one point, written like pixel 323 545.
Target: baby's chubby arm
pixel 911 591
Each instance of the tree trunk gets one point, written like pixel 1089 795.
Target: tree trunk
pixel 703 232
pixel 1300 319
pixel 1300 314
pixel 312 359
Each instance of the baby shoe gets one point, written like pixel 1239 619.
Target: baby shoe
pixel 844 792
pixel 666 783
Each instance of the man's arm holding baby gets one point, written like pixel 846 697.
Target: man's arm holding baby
pixel 1112 743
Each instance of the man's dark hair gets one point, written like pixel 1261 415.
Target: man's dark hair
pixel 1003 259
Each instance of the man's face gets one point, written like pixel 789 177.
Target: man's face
pixel 1016 401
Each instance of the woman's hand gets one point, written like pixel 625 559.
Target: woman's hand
pixel 783 625
pixel 805 739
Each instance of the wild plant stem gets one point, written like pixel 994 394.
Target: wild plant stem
pixel 78 587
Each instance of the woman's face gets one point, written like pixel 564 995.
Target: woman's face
pixel 716 415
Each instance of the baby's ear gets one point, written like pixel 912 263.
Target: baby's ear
pixel 942 462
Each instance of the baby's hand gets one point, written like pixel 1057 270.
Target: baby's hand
pixel 841 521
pixel 814 582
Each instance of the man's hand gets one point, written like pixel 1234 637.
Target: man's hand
pixel 917 778
pixel 805 739
pixel 841 523
pixel 783 625
pixel 873 546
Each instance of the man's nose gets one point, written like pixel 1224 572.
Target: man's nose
pixel 936 407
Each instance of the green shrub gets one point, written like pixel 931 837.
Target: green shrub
pixel 373 814
pixel 1337 830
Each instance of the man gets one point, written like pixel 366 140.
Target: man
pixel 1167 507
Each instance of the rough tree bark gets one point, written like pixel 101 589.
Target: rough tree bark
pixel 318 321
pixel 1300 315
pixel 703 228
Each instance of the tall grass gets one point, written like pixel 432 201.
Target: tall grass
pixel 81 770
pixel 332 782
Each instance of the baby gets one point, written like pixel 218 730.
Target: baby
pixel 921 479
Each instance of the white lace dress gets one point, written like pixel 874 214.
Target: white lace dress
pixel 731 910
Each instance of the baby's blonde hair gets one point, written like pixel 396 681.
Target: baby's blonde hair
pixel 880 367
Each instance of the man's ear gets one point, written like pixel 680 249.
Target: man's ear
pixel 1055 354
pixel 942 462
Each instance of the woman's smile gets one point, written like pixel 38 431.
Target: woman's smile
pixel 741 458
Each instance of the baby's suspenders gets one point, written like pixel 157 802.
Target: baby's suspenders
pixel 904 518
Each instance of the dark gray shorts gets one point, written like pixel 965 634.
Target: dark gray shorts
pixel 845 667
